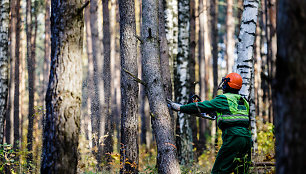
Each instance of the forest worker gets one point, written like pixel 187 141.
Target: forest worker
pixel 233 119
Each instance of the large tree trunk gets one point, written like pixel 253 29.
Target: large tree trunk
pixel 97 121
pixel 108 148
pixel 183 84
pixel 129 89
pixel 245 62
pixel 161 122
pixel 63 99
pixel 289 90
pixel 4 62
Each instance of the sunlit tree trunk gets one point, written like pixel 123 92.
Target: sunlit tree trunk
pixel 230 42
pixel 245 62
pixel 4 62
pixel 129 88
pixel 161 122
pixel 63 99
pixel 47 43
pixel 203 84
pixel 289 89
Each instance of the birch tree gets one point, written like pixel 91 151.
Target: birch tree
pixel 182 83
pixel 63 98
pixel 4 62
pixel 245 62
pixel 289 87
pixel 161 122
pixel 129 88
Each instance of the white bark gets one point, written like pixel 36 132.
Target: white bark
pixel 4 57
pixel 245 62
pixel 182 82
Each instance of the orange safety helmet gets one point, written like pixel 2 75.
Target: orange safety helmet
pixel 235 80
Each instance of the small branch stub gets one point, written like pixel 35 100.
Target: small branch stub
pixel 134 77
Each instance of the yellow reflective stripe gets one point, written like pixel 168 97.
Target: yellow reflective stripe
pixel 233 117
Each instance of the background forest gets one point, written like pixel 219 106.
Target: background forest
pixel 92 84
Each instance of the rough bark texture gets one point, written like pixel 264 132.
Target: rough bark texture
pixel 230 42
pixel 289 89
pixel 63 99
pixel 108 148
pixel 129 88
pixel 245 62
pixel 161 122
pixel 182 83
pixel 97 121
pixel 4 62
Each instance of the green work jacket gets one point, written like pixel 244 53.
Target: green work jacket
pixel 232 113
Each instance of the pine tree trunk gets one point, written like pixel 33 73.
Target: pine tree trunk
pixel 201 59
pixel 230 42
pixel 97 115
pixel 63 99
pixel 129 88
pixel 245 62
pixel 108 148
pixel 47 43
pixel 214 39
pixel 289 89
pixel 17 75
pixel 31 79
pixel 161 122
pixel 4 62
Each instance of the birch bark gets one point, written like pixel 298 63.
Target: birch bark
pixel 182 83
pixel 4 62
pixel 245 62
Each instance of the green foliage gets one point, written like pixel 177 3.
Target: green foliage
pixel 266 139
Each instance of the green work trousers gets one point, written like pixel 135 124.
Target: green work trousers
pixel 233 156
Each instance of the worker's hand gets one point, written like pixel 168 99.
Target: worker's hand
pixel 174 106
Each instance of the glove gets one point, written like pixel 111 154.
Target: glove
pixel 174 106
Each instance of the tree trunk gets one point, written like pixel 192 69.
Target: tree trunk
pixel 63 99
pixel 289 89
pixel 245 62
pixel 4 62
pixel 214 39
pixel 182 83
pixel 16 73
pixel 108 148
pixel 129 88
pixel 230 42
pixel 203 84
pixel 97 119
pixel 47 58
pixel 31 79
pixel 161 122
